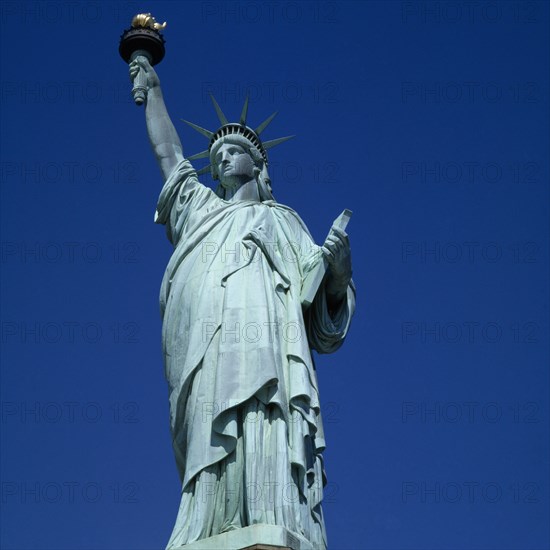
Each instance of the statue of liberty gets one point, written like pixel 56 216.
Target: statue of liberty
pixel 237 334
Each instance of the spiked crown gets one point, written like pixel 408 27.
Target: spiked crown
pixel 235 129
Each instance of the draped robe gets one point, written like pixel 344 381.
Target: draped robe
pixel 244 403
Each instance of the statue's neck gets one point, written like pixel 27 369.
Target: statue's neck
pixel 246 192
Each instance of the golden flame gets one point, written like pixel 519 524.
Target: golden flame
pixel 146 20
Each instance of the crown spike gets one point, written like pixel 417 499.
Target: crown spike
pixel 264 124
pixel 244 112
pixel 204 170
pixel 275 142
pixel 221 116
pixel 200 130
pixel 201 155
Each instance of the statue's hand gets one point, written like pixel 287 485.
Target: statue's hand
pixel 141 63
pixel 338 254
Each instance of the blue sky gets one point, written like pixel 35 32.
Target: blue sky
pixel 428 119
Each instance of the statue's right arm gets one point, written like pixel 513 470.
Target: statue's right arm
pixel 164 140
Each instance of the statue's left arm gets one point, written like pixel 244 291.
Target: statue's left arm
pixel 338 254
pixel 329 316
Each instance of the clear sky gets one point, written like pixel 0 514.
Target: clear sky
pixel 430 120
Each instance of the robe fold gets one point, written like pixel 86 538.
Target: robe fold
pixel 244 402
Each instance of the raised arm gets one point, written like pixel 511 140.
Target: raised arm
pixel 162 134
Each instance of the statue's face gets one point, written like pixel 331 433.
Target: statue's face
pixel 234 165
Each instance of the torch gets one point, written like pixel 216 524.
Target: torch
pixel 142 38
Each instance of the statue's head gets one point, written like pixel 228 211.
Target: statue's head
pixel 235 161
pixel 237 154
pixel 232 165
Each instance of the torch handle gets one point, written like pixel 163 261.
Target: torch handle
pixel 139 91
